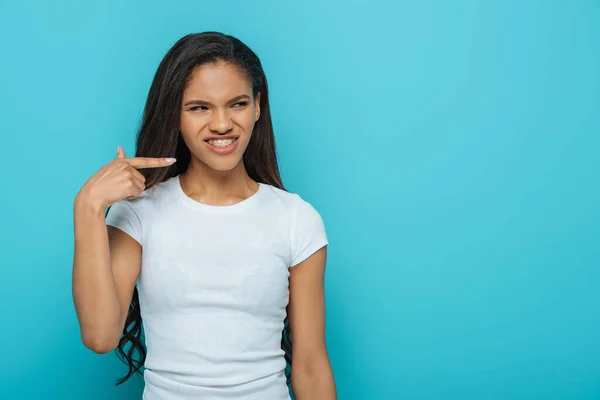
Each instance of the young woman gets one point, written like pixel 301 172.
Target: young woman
pixel 202 242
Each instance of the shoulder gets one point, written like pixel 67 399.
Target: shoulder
pixel 297 211
pixel 304 223
pixel 159 193
pixel 151 199
pixel 132 215
pixel 290 201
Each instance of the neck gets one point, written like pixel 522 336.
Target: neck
pixel 220 188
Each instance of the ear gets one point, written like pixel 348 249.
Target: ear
pixel 257 107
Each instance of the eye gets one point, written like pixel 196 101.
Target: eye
pixel 198 108
pixel 240 104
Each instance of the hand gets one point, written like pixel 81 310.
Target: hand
pixel 118 180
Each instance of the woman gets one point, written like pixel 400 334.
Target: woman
pixel 229 266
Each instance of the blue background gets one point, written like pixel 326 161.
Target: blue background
pixel 452 149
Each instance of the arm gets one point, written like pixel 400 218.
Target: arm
pixel 106 265
pixel 107 261
pixel 312 376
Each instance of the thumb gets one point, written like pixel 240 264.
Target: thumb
pixel 120 152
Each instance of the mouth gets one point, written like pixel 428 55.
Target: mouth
pixel 222 146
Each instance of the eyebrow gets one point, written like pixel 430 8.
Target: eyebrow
pixel 197 102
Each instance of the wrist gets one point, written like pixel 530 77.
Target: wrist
pixel 83 204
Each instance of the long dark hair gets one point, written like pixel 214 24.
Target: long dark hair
pixel 159 136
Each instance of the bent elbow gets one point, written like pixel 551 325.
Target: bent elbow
pixel 99 345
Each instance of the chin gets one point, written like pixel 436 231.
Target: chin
pixel 222 165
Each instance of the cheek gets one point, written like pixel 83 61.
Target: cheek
pixel 191 124
pixel 246 121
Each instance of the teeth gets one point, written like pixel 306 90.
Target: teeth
pixel 221 142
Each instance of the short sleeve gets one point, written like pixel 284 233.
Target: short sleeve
pixel 122 215
pixel 308 233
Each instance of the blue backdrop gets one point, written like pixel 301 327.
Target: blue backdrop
pixel 452 149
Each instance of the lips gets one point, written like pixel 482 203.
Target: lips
pixel 223 137
pixel 221 145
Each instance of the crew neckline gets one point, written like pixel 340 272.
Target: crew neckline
pixel 241 205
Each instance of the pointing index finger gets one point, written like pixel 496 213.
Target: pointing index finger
pixel 150 162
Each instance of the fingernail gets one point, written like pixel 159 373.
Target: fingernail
pixel 170 160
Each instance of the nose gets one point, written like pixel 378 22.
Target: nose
pixel 221 122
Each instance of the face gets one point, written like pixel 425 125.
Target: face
pixel 218 114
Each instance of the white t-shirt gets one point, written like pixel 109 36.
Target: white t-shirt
pixel 214 288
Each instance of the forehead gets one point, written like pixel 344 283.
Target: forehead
pixel 218 82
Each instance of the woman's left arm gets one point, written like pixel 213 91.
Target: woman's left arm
pixel 312 376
